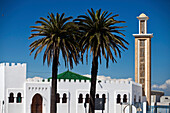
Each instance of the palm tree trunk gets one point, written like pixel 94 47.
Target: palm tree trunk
pixel 94 71
pixel 54 85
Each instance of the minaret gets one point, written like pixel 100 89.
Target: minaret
pixel 143 57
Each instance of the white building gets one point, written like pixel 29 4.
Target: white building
pixel 21 95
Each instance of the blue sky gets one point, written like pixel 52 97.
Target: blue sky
pixel 17 15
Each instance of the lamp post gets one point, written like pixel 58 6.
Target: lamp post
pixel 121 106
pixel 85 106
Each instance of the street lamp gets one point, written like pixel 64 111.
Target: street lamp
pixel 121 106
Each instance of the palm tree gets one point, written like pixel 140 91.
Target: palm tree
pixel 57 35
pixel 102 38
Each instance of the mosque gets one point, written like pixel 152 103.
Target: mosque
pixel 19 94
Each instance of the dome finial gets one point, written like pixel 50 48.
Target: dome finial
pixel 142 15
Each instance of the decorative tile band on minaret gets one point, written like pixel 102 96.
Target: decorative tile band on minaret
pixel 143 57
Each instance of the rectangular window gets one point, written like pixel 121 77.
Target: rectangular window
pixel 142 26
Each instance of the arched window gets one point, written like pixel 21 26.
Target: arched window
pixel 134 98
pixel 80 99
pixel 104 98
pixel 64 99
pixel 125 98
pixel 58 98
pixel 87 100
pixel 19 98
pixel 139 98
pixel 11 98
pixel 118 98
pixel 97 95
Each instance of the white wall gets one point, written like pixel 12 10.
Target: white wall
pixel 73 88
pixel 42 88
pixel 2 84
pixel 114 88
pixel 136 90
pixel 15 82
pixel 15 75
pixel 13 79
pixel 17 107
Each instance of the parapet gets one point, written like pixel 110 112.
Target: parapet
pixel 13 64
pixel 41 80
pixel 114 81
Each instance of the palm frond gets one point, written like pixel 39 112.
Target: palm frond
pixel 58 34
pixel 100 34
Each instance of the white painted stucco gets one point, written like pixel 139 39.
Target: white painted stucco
pixel 14 81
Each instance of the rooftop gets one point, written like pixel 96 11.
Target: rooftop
pixel 71 76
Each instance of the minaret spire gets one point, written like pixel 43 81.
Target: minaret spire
pixel 143 23
pixel 143 57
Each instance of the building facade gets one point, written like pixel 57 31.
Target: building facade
pixel 21 95
pixel 33 95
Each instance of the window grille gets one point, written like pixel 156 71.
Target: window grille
pixel 118 98
pixel 125 98
pixel 19 98
pixel 97 95
pixel 64 99
pixel 87 100
pixel 80 99
pixel 142 26
pixel 58 98
pixel 11 98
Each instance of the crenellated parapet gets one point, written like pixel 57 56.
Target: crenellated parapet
pixel 41 80
pixel 115 81
pixel 13 64
pixel 13 75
